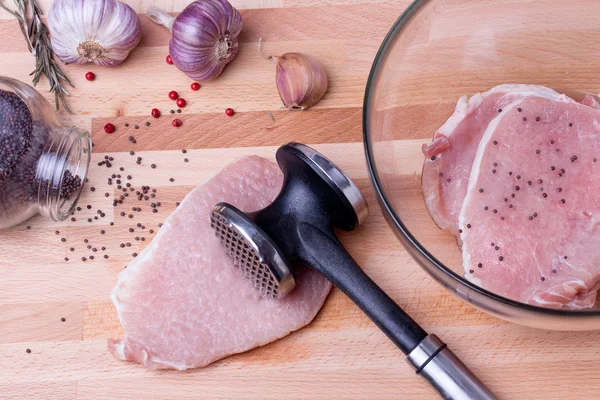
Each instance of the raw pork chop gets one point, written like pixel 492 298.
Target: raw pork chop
pixel 531 218
pixel 183 304
pixel 449 157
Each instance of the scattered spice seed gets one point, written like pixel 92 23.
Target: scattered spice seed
pixel 134 254
pixel 501 258
pixel 537 119
pixel 468 225
pixel 552 142
pixel 535 214
pixel 479 265
pixel 499 110
pixel 495 142
pixel 28 351
pixel 545 195
pixel 524 118
pixel 543 279
pixel 519 109
pixel 152 166
pixel 63 319
pixel 109 128
pixel 565 257
pixel 480 190
pixel 171 180
pixel 136 127
pixel 106 256
pixel 570 124
pixel 63 240
pixel 531 218
pixel 432 158
pixel 573 159
pixel 186 160
pixel 537 152
pixel 91 257
pixel 172 111
pixel 553 271
pixel 562 201
pixel 83 258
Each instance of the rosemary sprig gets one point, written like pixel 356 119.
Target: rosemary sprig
pixel 38 40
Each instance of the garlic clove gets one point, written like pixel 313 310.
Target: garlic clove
pixel 301 80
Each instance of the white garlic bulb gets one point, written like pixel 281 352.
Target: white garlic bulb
pixel 98 31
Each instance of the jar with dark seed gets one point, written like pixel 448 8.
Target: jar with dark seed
pixel 43 165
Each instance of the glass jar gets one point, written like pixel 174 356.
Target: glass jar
pixel 43 165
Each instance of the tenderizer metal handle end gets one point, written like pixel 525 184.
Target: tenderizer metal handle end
pixel 437 364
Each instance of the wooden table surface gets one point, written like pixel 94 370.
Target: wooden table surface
pixel 341 355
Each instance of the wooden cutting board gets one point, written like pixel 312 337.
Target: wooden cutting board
pixel 341 355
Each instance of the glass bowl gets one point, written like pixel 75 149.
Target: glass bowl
pixel 437 51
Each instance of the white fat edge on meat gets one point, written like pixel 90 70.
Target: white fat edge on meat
pixel 574 284
pixel 128 274
pixel 466 106
pixel 462 225
pixel 534 91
